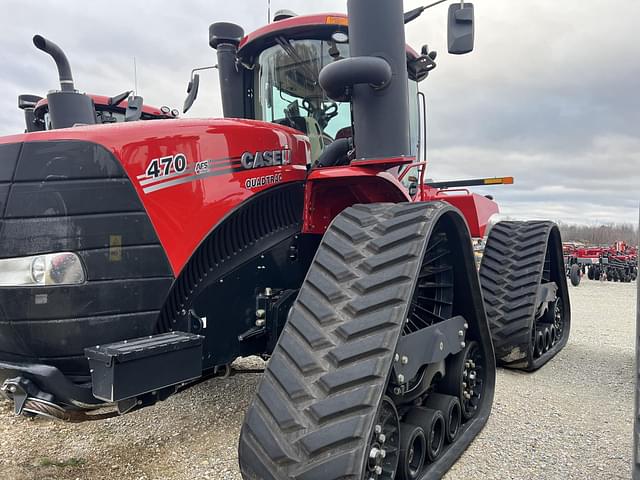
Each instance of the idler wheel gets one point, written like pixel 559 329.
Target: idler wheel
pixel 413 451
pixel 450 408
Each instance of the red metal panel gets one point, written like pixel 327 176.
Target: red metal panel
pixel 185 207
pixel 476 209
pixel 331 190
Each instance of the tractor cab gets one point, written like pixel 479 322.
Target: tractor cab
pixel 273 75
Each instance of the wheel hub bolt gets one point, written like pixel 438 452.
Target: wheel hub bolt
pixel 401 378
pixel 382 438
pixel 404 360
pixel 377 429
pixel 378 470
pixel 374 453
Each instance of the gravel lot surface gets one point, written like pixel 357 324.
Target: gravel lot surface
pixel 570 420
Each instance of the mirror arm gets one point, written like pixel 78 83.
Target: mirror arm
pixel 192 88
pixel 411 15
pixel 210 67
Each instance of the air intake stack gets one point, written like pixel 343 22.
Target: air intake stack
pixel 224 38
pixel 67 106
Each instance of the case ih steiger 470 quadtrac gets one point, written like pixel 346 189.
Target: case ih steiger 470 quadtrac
pixel 139 257
pixel 125 107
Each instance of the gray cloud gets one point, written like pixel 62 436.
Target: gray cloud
pixel 548 96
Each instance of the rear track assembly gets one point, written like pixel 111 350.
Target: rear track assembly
pixel 525 293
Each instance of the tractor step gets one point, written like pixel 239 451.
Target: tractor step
pixel 132 368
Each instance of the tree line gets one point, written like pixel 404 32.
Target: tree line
pixel 599 234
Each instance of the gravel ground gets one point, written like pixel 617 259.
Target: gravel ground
pixel 570 420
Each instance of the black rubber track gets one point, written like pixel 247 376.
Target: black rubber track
pixel 316 404
pixel 510 273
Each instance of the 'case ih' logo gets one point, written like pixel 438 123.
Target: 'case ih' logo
pixel 269 158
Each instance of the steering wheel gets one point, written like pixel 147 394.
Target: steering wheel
pixel 322 115
pixel 331 111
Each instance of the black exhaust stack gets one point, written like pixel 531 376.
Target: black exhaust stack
pixel 225 38
pixel 375 79
pixel 67 107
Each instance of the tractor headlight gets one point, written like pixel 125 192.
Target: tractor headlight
pixel 64 268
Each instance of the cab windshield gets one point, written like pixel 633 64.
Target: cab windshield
pixel 288 91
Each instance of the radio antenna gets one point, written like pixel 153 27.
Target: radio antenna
pixel 135 77
pixel 268 11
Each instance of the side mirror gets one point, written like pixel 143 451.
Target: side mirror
pixel 460 28
pixel 192 92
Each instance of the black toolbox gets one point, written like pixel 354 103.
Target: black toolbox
pixel 130 368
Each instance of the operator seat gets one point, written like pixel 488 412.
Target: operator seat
pixel 310 127
pixel 314 132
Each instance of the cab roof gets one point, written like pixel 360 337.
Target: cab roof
pixel 297 26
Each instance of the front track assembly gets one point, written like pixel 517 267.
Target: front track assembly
pixel 524 285
pixel 385 369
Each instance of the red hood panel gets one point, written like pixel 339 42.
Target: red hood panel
pixel 190 173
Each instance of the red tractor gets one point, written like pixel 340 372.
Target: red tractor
pixel 138 258
pixel 92 109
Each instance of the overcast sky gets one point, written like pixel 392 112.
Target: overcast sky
pixel 550 94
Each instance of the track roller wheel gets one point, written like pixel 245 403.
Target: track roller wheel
pixel 539 342
pixel 434 426
pixel 590 273
pixel 552 334
pixel 547 339
pixel 413 451
pixel 366 342
pixel 450 408
pixel 524 284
